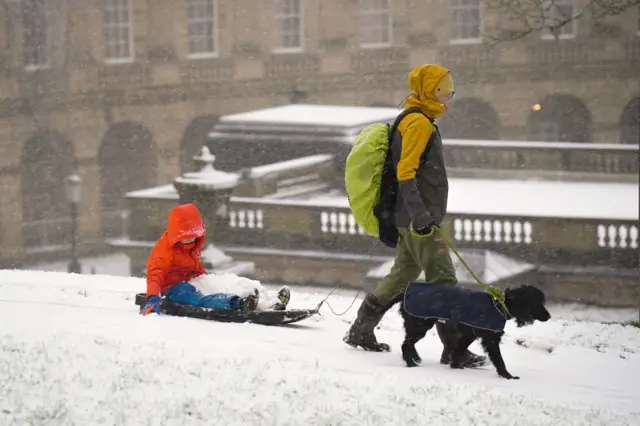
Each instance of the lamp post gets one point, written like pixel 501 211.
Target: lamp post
pixel 72 187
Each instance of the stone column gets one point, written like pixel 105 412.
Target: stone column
pixel 209 189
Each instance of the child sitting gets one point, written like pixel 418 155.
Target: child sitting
pixel 175 260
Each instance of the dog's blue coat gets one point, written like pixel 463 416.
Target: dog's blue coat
pixel 455 304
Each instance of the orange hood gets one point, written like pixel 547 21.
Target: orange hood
pixel 422 82
pixel 185 222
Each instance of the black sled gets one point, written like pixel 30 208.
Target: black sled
pixel 257 317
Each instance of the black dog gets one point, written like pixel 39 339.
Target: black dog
pixel 476 313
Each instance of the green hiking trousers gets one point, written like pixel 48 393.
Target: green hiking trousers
pixel 414 255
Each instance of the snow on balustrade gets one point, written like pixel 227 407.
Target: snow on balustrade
pixel 497 230
pixel 618 236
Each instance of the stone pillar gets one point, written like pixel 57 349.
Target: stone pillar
pixel 209 189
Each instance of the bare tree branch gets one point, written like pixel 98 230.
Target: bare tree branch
pixel 524 17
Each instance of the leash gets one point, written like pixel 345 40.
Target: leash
pixel 493 291
pixel 496 293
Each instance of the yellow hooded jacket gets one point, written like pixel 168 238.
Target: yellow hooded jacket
pixel 424 202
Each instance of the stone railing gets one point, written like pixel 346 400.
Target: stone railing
pixel 611 161
pixel 300 225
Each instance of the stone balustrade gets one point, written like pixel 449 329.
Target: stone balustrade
pixel 475 158
pixel 301 225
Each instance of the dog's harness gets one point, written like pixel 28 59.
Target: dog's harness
pixel 507 316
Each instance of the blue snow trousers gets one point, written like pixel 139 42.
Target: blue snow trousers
pixel 186 294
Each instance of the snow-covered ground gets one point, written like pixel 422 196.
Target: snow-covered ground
pixel 74 351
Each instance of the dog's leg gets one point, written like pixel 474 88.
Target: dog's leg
pixel 415 330
pixel 491 344
pixel 467 337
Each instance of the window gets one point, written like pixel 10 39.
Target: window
pixel 118 31
pixel 375 23
pixel 560 12
pixel 465 21
pixel 36 40
pixel 202 27
pixel 289 25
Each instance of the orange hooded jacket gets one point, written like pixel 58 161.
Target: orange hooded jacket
pixel 170 261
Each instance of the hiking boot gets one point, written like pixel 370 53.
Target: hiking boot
pixel 249 303
pixel 449 336
pixel 361 331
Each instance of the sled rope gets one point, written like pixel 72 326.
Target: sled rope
pixel 493 291
pixel 323 301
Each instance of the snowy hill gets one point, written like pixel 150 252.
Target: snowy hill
pixel 74 351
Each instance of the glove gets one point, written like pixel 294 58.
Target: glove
pixel 424 232
pixel 153 305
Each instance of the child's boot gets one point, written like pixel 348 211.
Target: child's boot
pixel 284 295
pixel 249 303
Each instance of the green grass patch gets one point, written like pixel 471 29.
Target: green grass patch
pixel 635 324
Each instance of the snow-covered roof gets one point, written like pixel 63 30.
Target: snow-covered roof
pixel 527 198
pixel 314 115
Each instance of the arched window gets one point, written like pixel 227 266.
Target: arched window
pixel 127 161
pixel 470 118
pixel 560 118
pixel 47 159
pixel 193 139
pixel 630 123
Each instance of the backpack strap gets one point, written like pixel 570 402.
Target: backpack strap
pixel 403 114
pixel 384 209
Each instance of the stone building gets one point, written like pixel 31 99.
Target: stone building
pixel 124 91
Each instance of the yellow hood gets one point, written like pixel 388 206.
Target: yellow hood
pixel 422 82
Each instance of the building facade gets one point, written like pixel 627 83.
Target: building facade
pixel 124 91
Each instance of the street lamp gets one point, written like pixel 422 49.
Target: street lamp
pixel 72 186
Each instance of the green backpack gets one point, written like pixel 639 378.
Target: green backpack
pixel 371 182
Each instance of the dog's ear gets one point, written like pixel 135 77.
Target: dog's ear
pixel 519 305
